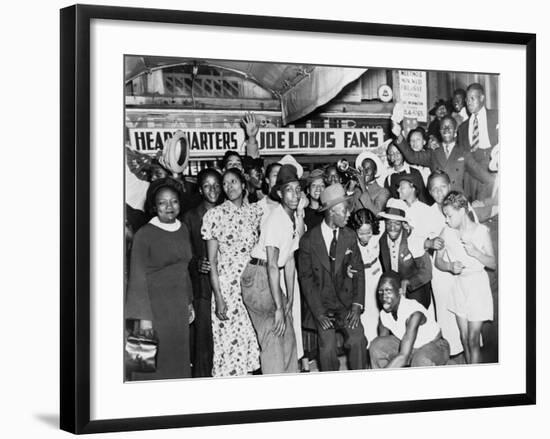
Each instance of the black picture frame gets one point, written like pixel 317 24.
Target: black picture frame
pixel 75 217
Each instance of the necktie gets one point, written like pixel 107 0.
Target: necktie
pixel 332 252
pixel 475 134
pixel 446 148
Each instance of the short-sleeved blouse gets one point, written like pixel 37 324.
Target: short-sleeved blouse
pixel 235 228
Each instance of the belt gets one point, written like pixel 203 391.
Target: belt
pixel 256 261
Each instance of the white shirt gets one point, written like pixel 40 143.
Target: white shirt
pixel 393 246
pixel 463 113
pixel 327 233
pixel 417 213
pixel 427 332
pixel 435 221
pixel 277 231
pixel 484 141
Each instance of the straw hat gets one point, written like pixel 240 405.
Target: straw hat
pixel 395 210
pixel 333 195
pixel 290 160
pixel 372 156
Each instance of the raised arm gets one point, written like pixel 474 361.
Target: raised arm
pixel 251 129
pixel 423 158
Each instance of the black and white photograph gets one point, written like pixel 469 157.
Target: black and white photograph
pixel 286 218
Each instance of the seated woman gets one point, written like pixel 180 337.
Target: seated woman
pixel 159 288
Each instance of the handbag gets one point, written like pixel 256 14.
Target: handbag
pixel 141 353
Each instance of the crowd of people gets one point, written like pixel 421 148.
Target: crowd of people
pixel 265 269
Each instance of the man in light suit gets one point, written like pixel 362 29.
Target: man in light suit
pixel 479 135
pixel 452 157
pixel 332 281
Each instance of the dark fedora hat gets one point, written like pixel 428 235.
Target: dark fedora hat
pixel 287 174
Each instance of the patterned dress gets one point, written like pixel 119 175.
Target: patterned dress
pixel 236 229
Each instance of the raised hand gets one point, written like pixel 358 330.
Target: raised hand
pixel 250 125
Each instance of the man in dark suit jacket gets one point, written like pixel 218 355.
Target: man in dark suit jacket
pixel 453 158
pixel 332 281
pixel 479 135
pixel 413 265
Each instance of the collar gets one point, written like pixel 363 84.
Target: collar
pixel 282 212
pixel 481 113
pixel 232 206
pixel 168 227
pixel 406 169
pixel 326 227
pixel 395 243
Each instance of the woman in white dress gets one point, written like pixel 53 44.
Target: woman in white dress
pixel 468 251
pixel 367 228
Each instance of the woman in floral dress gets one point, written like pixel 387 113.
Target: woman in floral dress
pixel 231 231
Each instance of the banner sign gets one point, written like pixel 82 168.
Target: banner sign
pixel 413 94
pixel 210 143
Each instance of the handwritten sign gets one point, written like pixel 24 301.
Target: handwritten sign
pixel 413 94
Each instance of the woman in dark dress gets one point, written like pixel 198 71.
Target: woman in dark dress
pixel 159 288
pixel 202 347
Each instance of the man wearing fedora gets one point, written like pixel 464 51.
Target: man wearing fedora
pixel 398 255
pixel 333 282
pixel 269 308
